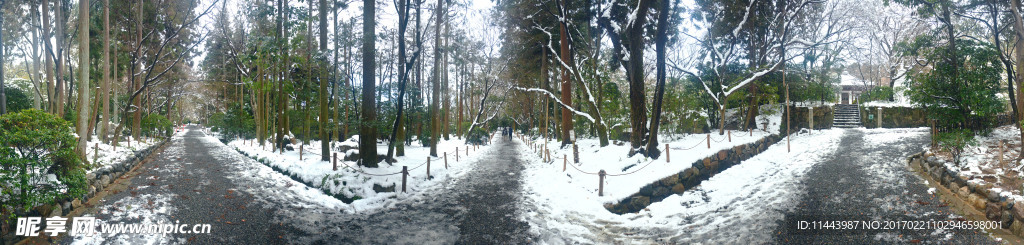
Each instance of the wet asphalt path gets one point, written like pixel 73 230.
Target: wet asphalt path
pixel 188 182
pixel 196 180
pixel 866 181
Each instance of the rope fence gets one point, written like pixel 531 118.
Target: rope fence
pixel 545 154
pixel 405 170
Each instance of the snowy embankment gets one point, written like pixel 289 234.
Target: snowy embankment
pixel 983 164
pixel 106 156
pixel 738 204
pixel 369 189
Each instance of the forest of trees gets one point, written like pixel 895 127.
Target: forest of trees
pixel 418 71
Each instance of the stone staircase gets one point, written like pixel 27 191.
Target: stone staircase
pixel 846 116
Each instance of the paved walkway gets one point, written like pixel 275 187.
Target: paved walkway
pixel 867 180
pixel 197 180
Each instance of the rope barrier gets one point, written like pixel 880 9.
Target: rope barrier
pixel 634 171
pixel 694 146
pixel 619 174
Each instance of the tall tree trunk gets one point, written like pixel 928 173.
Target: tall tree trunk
pixel 37 78
pixel 48 57
pixel 59 32
pixel 105 85
pixel 566 82
pixel 283 67
pixel 3 60
pixel 136 79
pixel 635 73
pixel 1018 26
pixel 337 81
pixel 444 82
pixel 368 133
pixel 397 132
pixel 324 139
pixel 83 88
pixel 544 84
pixel 435 124
pixel 660 42
pixel 994 28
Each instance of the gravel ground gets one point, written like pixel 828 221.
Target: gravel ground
pixel 865 181
pixel 196 181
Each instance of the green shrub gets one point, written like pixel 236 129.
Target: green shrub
pixel 955 141
pixel 153 124
pixel 878 93
pixel 33 146
pixel 478 136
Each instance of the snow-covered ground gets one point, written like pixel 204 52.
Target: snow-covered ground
pixel 355 182
pixel 568 209
pixel 685 149
pixel 981 162
pixel 109 156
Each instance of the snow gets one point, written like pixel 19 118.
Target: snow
pixel 355 182
pixel 890 104
pixel 812 103
pixel 109 158
pixel 980 162
pixel 847 79
pixel 720 210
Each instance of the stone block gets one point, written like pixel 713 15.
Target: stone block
pixel 1006 219
pixel 1017 228
pixel 992 212
pixel 723 154
pixel 963 192
pixel 993 196
pixel 640 202
pixel 688 173
pixel 678 189
pixel 660 192
pixel 670 180
pixel 1018 210
pixel 976 201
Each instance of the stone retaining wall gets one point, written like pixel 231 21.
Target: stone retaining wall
pixel 893 117
pixel 823 116
pixel 687 179
pixel 977 196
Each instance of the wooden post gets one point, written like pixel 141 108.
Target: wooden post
pixel 708 140
pixel 467 150
pixel 300 151
pixel 335 161
pixel 810 118
pixel 96 153
pixel 456 154
pixel 879 117
pixel 445 161
pixel 666 153
pixel 547 157
pixel 428 167
pixel 575 153
pixel 600 184
pixel 405 173
pixel 565 161
pixel 730 135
